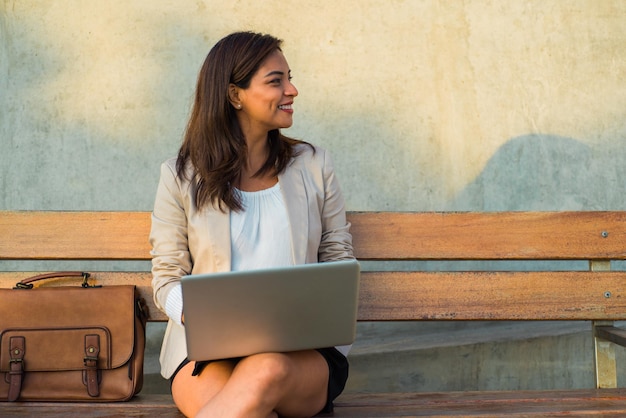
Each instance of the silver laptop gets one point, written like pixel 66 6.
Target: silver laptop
pixel 237 314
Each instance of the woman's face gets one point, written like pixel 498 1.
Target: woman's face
pixel 267 103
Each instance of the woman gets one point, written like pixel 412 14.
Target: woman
pixel 240 195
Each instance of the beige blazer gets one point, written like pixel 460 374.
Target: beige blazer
pixel 185 240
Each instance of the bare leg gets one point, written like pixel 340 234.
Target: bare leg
pixel 262 385
pixel 190 393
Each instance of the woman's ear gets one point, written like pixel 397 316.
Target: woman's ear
pixel 233 96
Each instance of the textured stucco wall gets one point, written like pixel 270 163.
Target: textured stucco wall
pixel 425 105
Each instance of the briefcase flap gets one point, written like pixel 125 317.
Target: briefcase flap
pixel 56 349
pixel 60 325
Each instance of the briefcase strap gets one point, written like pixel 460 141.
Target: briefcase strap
pixel 90 375
pixel 16 370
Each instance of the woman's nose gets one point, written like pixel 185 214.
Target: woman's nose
pixel 291 90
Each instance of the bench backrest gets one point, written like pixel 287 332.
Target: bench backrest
pixel 404 292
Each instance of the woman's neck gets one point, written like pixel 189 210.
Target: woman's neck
pixel 257 154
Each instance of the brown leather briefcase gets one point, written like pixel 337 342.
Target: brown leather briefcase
pixel 71 343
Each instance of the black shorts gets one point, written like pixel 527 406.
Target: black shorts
pixel 337 373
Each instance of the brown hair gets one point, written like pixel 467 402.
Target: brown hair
pixel 213 142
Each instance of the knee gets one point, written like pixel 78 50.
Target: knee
pixel 270 370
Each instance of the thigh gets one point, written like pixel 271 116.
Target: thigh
pixel 306 387
pixel 191 393
pixel 298 383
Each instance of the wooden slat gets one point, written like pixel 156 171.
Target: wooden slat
pixel 492 296
pixel 377 235
pixel 490 404
pixel 147 406
pixel 399 296
pixel 490 235
pixel 74 235
pixel 612 334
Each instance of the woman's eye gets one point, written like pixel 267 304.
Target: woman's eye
pixel 279 80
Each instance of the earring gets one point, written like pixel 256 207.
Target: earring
pixel 238 106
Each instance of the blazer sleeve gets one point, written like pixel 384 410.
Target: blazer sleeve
pixel 171 258
pixel 336 240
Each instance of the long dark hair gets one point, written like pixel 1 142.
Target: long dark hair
pixel 214 143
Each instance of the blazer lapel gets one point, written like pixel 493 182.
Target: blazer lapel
pixel 218 231
pixel 294 196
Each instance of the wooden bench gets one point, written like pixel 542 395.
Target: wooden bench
pixel 596 294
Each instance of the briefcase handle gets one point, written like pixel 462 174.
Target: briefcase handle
pixel 28 282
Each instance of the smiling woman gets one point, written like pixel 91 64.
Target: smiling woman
pixel 217 209
pixel 264 105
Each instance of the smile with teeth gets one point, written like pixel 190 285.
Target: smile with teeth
pixel 285 107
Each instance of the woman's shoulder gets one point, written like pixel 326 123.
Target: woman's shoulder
pixel 312 158
pixel 309 152
pixel 170 163
pixel 170 174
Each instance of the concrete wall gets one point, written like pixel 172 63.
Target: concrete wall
pixel 425 104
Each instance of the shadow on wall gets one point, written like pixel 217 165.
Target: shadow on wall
pixel 548 172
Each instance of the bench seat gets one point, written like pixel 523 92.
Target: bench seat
pixel 553 403
pixel 485 404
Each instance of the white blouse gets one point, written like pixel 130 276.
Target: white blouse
pixel 260 234
pixel 260 238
